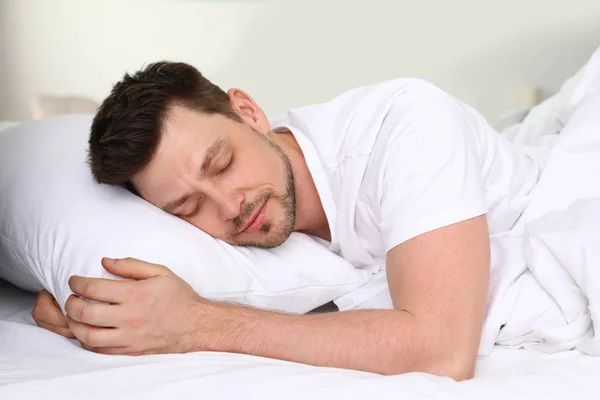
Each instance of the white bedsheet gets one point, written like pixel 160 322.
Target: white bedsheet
pixel 36 364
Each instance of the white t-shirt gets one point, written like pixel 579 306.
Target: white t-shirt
pixel 395 160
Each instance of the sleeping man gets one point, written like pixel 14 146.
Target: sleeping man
pixel 398 175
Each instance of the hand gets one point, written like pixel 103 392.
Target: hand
pixel 156 312
pixel 48 315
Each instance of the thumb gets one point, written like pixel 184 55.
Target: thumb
pixel 131 268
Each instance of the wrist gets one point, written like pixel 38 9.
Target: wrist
pixel 226 327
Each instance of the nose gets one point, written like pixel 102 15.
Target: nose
pixel 229 203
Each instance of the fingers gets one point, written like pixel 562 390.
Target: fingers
pixel 66 332
pixel 99 289
pixel 101 315
pixel 96 337
pixel 48 315
pixel 113 291
pixel 117 351
pixel 47 311
pixel 132 268
pixel 107 350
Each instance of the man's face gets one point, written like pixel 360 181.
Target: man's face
pixel 223 177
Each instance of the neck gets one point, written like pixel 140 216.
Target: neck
pixel 310 215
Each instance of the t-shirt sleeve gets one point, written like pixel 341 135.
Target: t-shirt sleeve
pixel 430 174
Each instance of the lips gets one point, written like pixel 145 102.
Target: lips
pixel 256 220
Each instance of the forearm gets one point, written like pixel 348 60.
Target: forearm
pixel 380 341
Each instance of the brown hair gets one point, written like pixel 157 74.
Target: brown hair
pixel 127 127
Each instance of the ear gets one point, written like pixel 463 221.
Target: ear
pixel 250 112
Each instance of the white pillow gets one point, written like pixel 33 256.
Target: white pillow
pixel 57 222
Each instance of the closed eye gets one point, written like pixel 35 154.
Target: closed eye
pixel 190 215
pixel 196 209
pixel 226 166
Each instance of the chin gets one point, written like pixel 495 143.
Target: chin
pixel 267 237
pixel 263 244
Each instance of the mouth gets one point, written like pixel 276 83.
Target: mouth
pixel 256 220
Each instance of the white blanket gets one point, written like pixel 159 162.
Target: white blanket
pixel 561 230
pixel 545 273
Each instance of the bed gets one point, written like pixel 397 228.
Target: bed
pixel 35 363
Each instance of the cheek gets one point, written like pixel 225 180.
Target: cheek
pixel 257 169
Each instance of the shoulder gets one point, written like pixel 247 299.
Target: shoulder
pixel 411 107
pixel 414 91
pixel 422 117
pixel 350 124
pixel 419 98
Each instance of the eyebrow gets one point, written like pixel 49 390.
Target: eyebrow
pixel 211 153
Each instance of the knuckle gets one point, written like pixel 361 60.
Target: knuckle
pixel 137 295
pixel 102 350
pixel 70 303
pixel 44 295
pixel 86 314
pixel 39 300
pixel 85 346
pixel 166 269
pixel 84 336
pixel 87 290
pixel 134 321
pixel 35 313
pixel 65 332
pixel 128 292
pixel 40 309
pixel 90 337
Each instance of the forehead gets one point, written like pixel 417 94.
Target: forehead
pixel 184 126
pixel 185 138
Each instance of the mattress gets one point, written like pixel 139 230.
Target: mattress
pixel 35 363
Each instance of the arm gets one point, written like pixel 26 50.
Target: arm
pixel 438 283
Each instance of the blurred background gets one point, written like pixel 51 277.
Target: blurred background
pixel 496 55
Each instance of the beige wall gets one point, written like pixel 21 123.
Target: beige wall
pixel 287 53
